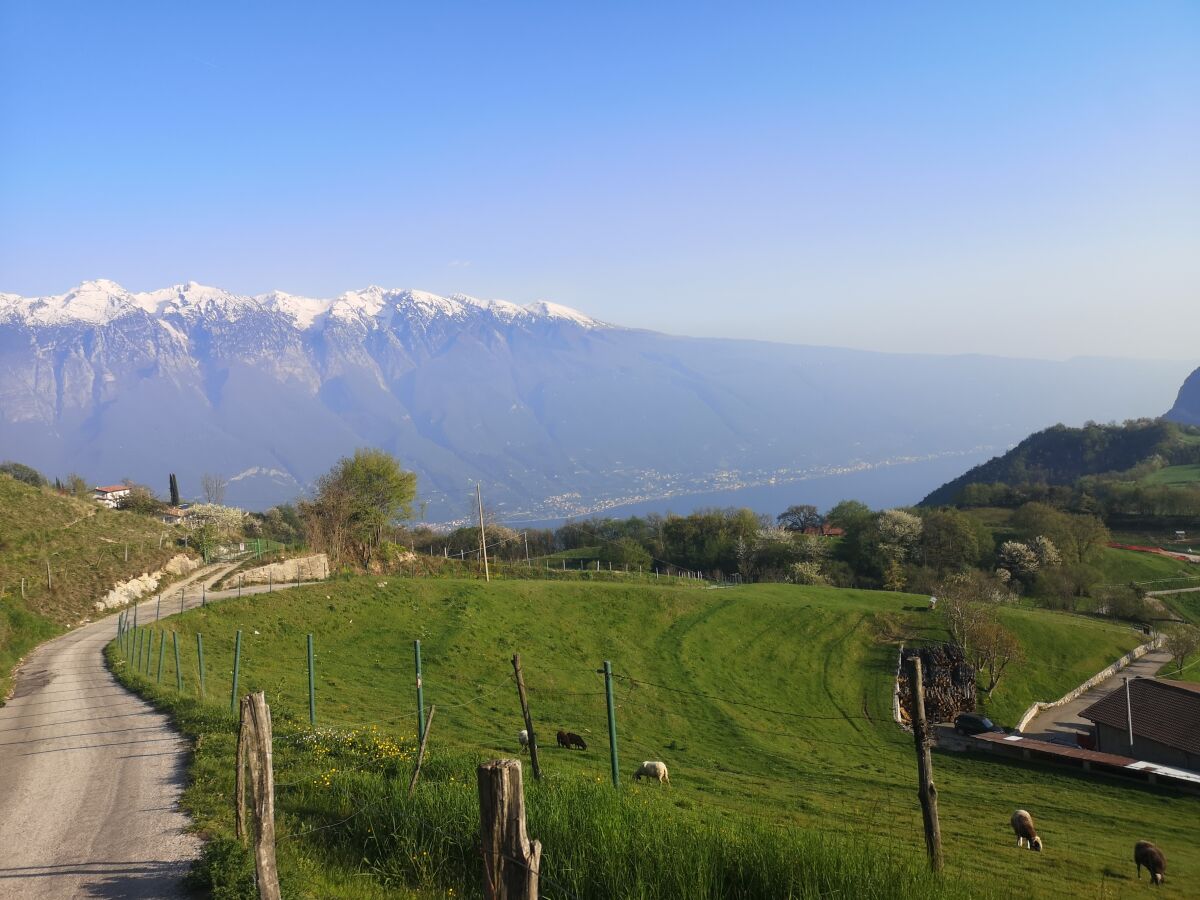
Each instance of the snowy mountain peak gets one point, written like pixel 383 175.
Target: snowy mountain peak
pixel 101 301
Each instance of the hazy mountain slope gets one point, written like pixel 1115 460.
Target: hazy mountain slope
pixel 1187 404
pixel 537 402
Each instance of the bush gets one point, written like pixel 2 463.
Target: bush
pixel 24 473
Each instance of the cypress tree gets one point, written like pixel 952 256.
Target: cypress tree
pixel 174 490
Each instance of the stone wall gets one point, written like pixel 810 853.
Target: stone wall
pixel 147 583
pixel 308 568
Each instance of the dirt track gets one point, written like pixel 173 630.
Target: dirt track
pixel 90 779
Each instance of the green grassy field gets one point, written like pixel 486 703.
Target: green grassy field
pixel 770 703
pixel 1175 475
pixel 1123 566
pixel 84 546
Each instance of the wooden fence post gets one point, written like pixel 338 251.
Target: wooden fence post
pixel 926 791
pixel 255 753
pixel 533 754
pixel 510 859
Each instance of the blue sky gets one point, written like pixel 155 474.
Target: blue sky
pixel 1010 178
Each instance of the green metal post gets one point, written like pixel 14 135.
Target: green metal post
pixel 149 651
pixel 237 661
pixel 612 724
pixel 200 660
pixel 157 607
pixel 181 601
pixel 141 639
pixel 420 693
pixel 312 688
pixel 178 673
pixel 162 649
pixel 203 595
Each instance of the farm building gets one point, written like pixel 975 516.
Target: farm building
pixel 110 495
pixel 1166 722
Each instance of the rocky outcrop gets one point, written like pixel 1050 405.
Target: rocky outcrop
pixel 1187 405
pixel 147 583
pixel 306 568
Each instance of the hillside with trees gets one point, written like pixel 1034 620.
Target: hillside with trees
pixel 1117 470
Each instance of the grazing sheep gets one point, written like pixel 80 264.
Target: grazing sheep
pixel 523 738
pixel 574 740
pixel 562 740
pixel 1148 855
pixel 1022 824
pixel 652 769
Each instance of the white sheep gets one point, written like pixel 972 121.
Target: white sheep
pixel 652 769
pixel 1022 824
pixel 523 738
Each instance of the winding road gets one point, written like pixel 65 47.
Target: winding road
pixel 91 775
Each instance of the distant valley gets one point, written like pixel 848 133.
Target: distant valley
pixel 555 413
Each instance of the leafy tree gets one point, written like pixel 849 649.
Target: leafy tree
pixel 626 552
pixel 22 472
pixel 1018 559
pixel 799 517
pixel 360 497
pixel 806 572
pixel 949 540
pixel 140 499
pixel 76 486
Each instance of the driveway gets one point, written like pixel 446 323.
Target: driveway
pixel 1065 720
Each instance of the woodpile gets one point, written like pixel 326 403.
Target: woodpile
pixel 949 682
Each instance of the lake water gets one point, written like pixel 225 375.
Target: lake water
pixel 887 486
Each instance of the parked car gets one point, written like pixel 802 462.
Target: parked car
pixel 973 723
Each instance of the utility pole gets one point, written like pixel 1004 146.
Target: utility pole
pixel 1129 716
pixel 526 536
pixel 926 791
pixel 533 757
pixel 420 692
pixel 482 535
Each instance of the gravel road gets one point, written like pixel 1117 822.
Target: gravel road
pixel 90 778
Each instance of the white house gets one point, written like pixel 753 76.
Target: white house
pixel 110 495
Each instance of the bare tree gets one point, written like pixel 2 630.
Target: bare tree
pixel 1181 642
pixel 213 487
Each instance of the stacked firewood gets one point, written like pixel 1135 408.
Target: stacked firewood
pixel 948 678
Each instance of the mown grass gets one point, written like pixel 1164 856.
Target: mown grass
pixel 84 545
pixel 1149 569
pixel 1189 474
pixel 770 703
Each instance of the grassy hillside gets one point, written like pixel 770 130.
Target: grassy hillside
pixel 84 546
pixel 770 703
pixel 1175 475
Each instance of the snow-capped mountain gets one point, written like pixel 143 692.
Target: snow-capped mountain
pixel 551 409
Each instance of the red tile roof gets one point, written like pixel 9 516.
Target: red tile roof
pixel 112 488
pixel 1163 711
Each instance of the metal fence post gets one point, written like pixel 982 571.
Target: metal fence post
pixel 162 649
pixel 612 724
pixel 200 660
pixel 312 687
pixel 178 671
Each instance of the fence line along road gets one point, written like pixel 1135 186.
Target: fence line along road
pixel 91 775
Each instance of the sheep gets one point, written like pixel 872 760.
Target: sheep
pixel 574 740
pixel 523 738
pixel 1148 855
pixel 653 769
pixel 1022 824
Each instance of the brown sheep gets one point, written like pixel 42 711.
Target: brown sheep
pixel 1148 855
pixel 1022 824
pixel 569 739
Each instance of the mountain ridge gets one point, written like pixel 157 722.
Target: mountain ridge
pixel 556 414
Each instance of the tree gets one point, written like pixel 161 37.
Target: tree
pixel 994 647
pixel 624 552
pixel 76 486
pixel 1181 642
pixel 1018 559
pixel 140 499
pixel 22 472
pixel 799 517
pixel 949 540
pixel 174 490
pixel 360 497
pixel 213 487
